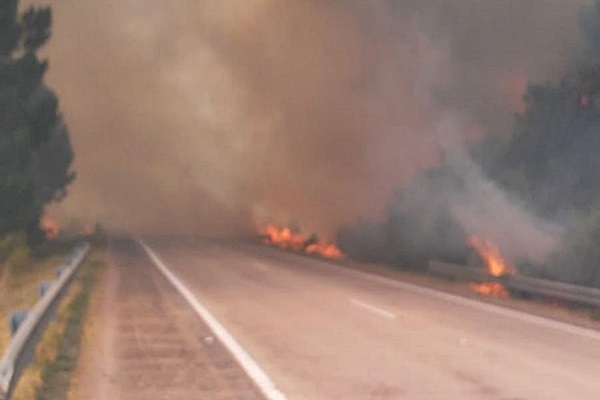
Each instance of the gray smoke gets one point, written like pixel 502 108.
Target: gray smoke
pixel 483 209
pixel 193 116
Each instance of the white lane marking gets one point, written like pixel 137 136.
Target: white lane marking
pixel 452 298
pixel 261 266
pixel 260 378
pixel 505 312
pixel 375 310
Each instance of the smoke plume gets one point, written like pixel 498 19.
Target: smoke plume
pixel 193 116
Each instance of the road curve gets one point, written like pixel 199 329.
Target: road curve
pixel 323 332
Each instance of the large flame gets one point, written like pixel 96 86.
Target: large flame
pixel 287 239
pixel 490 254
pixel 495 264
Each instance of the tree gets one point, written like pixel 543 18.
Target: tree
pixel 35 151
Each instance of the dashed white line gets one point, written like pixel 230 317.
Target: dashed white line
pixel 544 322
pixel 373 309
pixel 260 378
pixel 490 308
pixel 260 266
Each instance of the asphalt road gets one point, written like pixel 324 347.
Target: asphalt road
pixel 324 332
pixel 143 341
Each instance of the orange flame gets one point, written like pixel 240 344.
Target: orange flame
pixel 495 264
pixel 490 289
pixel 490 254
pixel 89 229
pixel 50 226
pixel 286 239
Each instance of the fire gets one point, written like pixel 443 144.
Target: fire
pixel 495 264
pixel 50 226
pixel 490 289
pixel 325 250
pixel 490 254
pixel 287 239
pixel 89 229
pixel 283 238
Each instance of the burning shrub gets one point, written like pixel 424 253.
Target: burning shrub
pixel 291 239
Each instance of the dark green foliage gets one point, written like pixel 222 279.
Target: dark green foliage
pixel 35 151
pixel 10 31
pixel 55 158
pixel 419 225
pixel 36 27
pixel 579 260
pixel 553 160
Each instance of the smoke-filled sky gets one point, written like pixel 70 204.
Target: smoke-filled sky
pixel 197 116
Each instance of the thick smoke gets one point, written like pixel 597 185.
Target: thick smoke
pixel 435 214
pixel 483 209
pixel 195 116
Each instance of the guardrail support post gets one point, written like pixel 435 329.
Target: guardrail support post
pixel 16 318
pixel 43 288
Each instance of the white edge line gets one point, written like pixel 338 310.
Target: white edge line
pixel 260 378
pixel 464 301
pixel 495 309
pixel 373 309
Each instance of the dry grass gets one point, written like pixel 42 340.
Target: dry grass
pixel 20 275
pixel 58 350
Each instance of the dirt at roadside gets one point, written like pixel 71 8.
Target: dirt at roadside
pixel 142 341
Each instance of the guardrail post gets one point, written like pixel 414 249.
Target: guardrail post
pixel 27 327
pixel 60 269
pixel 43 288
pixel 16 318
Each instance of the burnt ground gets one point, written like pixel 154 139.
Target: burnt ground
pixel 142 341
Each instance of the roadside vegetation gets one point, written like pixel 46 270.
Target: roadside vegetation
pixel 35 148
pixel 49 377
pixel 21 272
pixel 548 167
pixel 35 171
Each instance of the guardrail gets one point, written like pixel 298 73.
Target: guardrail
pixel 459 272
pixel 20 350
pixel 532 286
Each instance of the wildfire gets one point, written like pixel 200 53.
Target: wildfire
pixel 50 226
pixel 490 289
pixel 495 264
pixel 287 239
pixel 490 254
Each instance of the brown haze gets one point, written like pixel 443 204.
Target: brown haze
pixel 201 116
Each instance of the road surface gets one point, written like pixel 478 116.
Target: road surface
pixel 320 331
pixel 142 341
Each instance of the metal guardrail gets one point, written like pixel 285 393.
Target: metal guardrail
pixel 459 272
pixel 556 290
pixel 538 287
pixel 21 348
